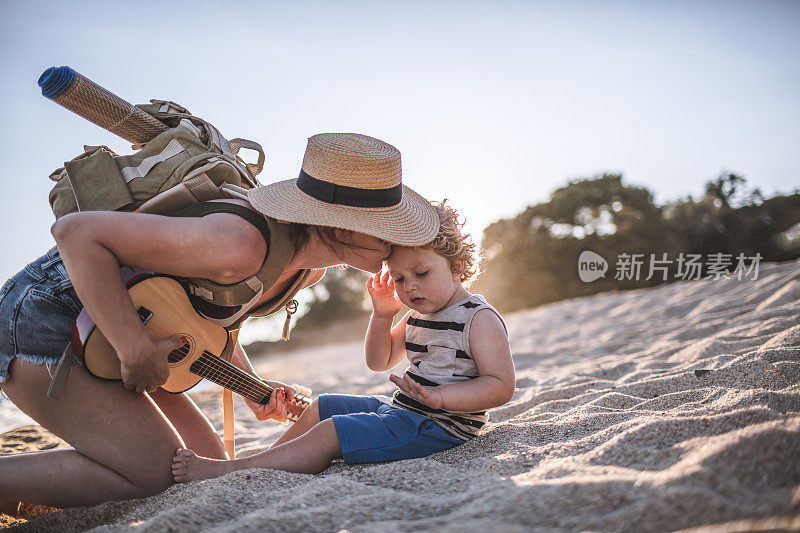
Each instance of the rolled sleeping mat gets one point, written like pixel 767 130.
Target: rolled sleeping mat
pixel 96 104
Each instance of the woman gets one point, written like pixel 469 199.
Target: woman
pixel 347 207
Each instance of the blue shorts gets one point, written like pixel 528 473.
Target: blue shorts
pixel 38 308
pixel 371 431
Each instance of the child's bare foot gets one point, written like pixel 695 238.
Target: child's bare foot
pixel 188 466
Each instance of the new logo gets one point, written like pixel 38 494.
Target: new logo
pixel 591 266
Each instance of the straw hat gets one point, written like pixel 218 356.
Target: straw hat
pixel 351 181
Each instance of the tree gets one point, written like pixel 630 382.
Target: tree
pixel 532 258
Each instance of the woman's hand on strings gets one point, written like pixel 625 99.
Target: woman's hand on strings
pixel 145 367
pixel 276 408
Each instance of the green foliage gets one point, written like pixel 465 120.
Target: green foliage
pixel 725 222
pixel 532 258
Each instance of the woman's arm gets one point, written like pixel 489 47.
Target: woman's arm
pixel 488 343
pixel 93 245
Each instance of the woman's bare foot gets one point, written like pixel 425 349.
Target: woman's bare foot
pixel 188 466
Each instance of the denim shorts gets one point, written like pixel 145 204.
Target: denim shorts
pixel 371 431
pixel 38 308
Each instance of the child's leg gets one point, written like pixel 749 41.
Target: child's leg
pixel 309 453
pixel 307 420
pixel 326 406
pixel 307 447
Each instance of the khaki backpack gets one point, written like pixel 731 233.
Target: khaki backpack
pixel 188 163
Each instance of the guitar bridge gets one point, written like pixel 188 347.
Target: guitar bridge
pixel 144 314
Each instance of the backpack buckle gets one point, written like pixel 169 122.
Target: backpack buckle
pixel 170 107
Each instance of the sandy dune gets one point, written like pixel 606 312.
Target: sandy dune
pixel 659 409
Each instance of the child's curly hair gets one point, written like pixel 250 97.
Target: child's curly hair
pixel 450 243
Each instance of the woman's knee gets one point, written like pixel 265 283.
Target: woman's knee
pixel 194 428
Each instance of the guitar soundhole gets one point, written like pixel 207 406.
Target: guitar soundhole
pixel 176 356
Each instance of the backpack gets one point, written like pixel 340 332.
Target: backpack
pixel 188 163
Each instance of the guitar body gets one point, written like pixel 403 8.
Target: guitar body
pixel 165 310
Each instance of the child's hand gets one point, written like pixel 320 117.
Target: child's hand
pixel 430 396
pixel 384 300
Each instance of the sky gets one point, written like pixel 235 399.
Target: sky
pixel 493 105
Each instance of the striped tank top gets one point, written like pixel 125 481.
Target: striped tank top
pixel 437 347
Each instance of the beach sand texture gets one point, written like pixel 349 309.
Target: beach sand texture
pixel 659 409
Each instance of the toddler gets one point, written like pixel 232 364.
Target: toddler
pixel 460 366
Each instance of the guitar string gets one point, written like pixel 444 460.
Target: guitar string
pixel 236 375
pixel 183 351
pixel 233 375
pixel 211 361
pixel 224 373
pixel 230 377
pixel 215 376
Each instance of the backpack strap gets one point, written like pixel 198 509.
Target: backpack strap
pixel 234 191
pixel 61 373
pixel 172 149
pixel 229 305
pixel 238 143
pixel 202 187
pixel 228 437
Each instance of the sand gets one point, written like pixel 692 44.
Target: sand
pixel 670 408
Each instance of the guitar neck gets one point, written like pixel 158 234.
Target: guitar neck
pixel 227 375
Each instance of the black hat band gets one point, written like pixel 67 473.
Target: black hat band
pixel 352 196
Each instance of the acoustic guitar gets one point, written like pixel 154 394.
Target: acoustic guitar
pixel 165 310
